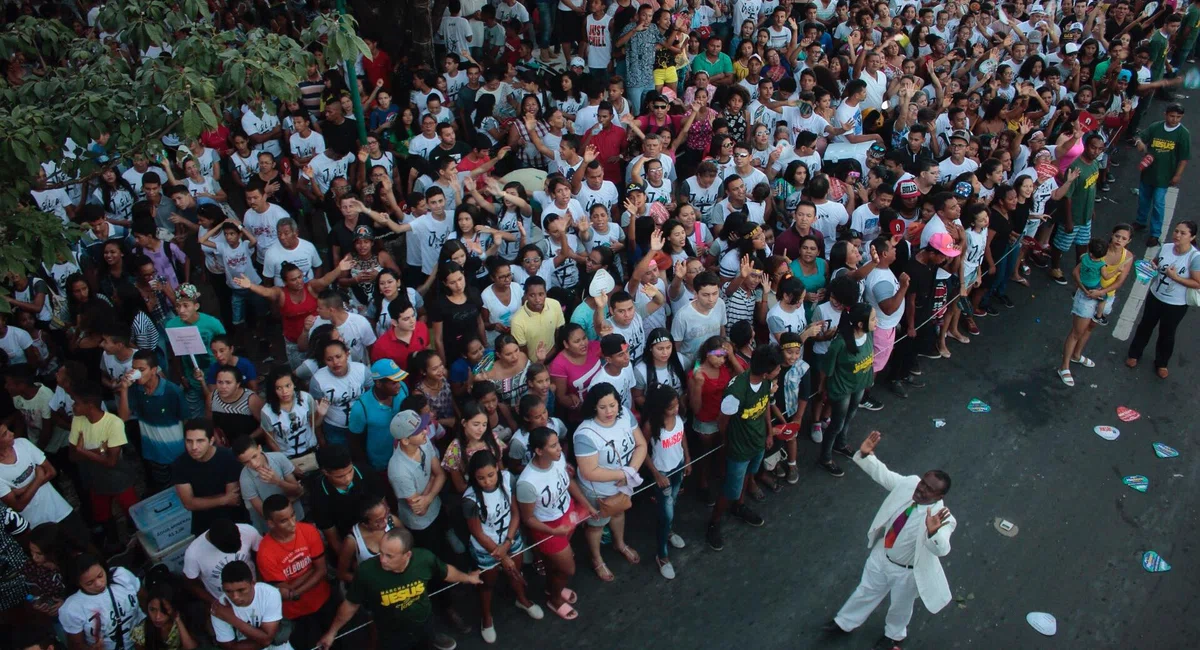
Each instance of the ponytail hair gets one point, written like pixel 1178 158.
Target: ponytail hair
pixel 857 316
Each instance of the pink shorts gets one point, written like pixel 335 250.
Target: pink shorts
pixel 885 340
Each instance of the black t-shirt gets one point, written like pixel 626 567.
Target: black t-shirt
pixel 343 137
pixel 208 479
pixel 456 152
pixel 920 282
pixel 999 223
pixel 1017 218
pixel 457 320
pixel 331 508
pixel 343 237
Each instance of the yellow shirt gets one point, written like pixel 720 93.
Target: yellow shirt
pixel 1115 270
pixel 110 429
pixel 531 328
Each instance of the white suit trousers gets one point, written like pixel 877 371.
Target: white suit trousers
pixel 879 578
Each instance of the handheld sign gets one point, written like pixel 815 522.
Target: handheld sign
pixel 186 341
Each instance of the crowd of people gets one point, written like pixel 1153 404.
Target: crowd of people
pixel 598 247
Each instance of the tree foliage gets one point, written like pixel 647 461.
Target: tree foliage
pixel 94 92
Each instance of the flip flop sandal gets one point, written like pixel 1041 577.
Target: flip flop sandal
pixel 567 595
pixel 630 554
pixel 1020 280
pixel 945 353
pixel 564 611
pixel 603 572
pixel 1065 376
pixel 1084 361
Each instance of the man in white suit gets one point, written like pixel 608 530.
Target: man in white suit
pixel 909 533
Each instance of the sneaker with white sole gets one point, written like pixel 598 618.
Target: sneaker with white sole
pixel 488 634
pixel 676 541
pixel 818 432
pixel 444 642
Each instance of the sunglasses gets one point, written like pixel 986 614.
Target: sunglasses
pixel 742 155
pixel 660 107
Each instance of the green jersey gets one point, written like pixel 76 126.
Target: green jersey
pixel 848 372
pixel 397 600
pixel 1158 55
pixel 1169 148
pixel 746 433
pixel 1083 191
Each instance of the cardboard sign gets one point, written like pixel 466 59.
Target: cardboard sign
pixel 186 341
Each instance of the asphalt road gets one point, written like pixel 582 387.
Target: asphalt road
pixel 1033 460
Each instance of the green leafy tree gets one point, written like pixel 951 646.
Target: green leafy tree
pixel 88 91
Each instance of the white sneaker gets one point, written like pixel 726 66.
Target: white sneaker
pixel 667 570
pixel 676 541
pixel 533 610
pixel 488 634
pixel 818 432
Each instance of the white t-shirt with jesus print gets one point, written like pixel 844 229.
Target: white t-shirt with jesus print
pixel 80 612
pixel 267 607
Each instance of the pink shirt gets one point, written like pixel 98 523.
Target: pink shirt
pixel 577 376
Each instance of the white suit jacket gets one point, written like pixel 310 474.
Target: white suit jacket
pixel 927 567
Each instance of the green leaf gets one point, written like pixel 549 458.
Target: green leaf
pixel 193 125
pixel 210 117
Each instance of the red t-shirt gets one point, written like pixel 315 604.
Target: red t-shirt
pixel 390 347
pixel 466 165
pixel 609 143
pixel 378 68
pixel 279 562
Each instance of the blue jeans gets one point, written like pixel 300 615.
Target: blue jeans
pixel 1151 204
pixel 844 408
pixel 735 474
pixel 635 95
pixel 1004 270
pixel 666 510
pixel 546 22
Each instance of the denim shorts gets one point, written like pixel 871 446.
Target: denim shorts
pixel 1085 307
pixel 485 561
pixel 735 474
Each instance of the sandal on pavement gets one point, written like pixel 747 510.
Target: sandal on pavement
pixel 630 554
pixel 1065 376
pixel 1020 280
pixel 757 494
pixel 568 596
pixel 564 611
pixel 603 572
pixel 1084 361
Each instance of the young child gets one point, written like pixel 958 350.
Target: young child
pixel 1092 273
pixel 531 413
pixel 235 251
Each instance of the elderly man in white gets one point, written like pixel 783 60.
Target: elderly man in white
pixel 909 533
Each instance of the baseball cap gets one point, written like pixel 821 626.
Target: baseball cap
pixel 1125 75
pixel 387 369
pixel 876 150
pixel 612 344
pixel 635 187
pixel 907 189
pixel 1037 135
pixel 963 190
pixel 407 424
pixel 1037 9
pixel 1075 27
pixel 961 134
pixel 578 62
pixel 363 232
pixel 1071 48
pixel 943 243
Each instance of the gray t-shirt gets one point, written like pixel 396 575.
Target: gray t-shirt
pixel 409 478
pixel 252 486
pixel 691 328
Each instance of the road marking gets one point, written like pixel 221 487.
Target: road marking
pixel 1137 297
